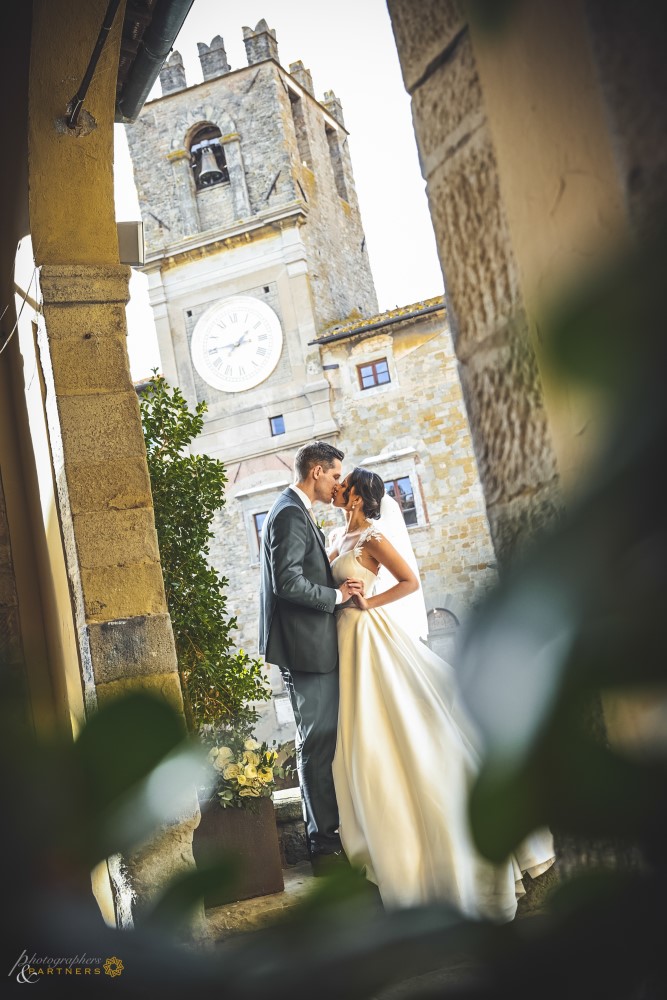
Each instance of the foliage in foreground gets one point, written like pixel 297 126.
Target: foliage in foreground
pixel 219 683
pixel 581 616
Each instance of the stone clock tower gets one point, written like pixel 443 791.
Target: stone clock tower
pixel 254 248
pixel 254 244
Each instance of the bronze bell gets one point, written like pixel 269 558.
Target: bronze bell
pixel 209 171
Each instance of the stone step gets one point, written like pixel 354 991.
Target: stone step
pixel 251 914
pixel 291 831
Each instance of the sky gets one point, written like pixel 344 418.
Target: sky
pixel 349 48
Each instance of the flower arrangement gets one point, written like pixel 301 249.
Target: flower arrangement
pixel 246 769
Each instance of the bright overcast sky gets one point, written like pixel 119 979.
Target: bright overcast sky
pixel 349 48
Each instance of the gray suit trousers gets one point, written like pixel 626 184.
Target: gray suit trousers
pixel 314 700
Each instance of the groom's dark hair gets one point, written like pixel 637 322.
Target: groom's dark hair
pixel 317 453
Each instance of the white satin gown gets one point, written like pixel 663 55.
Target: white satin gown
pixel 404 763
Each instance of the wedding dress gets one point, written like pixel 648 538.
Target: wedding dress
pixel 405 760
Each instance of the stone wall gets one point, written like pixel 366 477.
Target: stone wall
pixel 498 368
pixel 416 426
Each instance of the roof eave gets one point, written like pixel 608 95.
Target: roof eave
pixel 157 42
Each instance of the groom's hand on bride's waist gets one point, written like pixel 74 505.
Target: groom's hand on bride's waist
pixel 350 588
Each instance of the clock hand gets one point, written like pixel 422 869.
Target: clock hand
pixel 240 340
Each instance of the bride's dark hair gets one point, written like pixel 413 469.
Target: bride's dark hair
pixel 369 487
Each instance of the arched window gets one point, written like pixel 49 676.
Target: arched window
pixel 207 157
pixel 442 620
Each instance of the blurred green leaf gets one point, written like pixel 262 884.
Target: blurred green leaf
pixel 134 769
pixel 491 16
pixel 123 741
pixel 506 804
pixel 603 330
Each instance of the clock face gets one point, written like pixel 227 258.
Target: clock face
pixel 236 344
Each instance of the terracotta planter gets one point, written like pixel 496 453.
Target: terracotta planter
pixel 252 837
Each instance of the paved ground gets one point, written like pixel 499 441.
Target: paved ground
pixel 251 914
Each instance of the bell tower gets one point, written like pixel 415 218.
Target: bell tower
pixel 254 241
pixel 254 247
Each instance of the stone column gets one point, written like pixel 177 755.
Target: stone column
pixel 99 461
pixel 188 213
pixel 124 631
pixel 497 364
pixel 157 297
pixel 232 146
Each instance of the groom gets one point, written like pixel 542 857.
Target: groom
pixel 297 631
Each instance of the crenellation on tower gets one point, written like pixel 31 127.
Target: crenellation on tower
pixel 333 106
pixel 172 74
pixel 213 58
pixel 302 76
pixel 260 43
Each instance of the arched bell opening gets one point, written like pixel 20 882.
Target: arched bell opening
pixel 207 158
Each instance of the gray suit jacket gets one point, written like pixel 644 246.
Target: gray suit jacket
pixel 297 628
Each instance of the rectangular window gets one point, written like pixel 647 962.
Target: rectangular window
pixel 259 520
pixel 401 491
pixel 277 424
pixel 374 373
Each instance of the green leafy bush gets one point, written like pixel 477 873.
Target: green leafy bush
pixel 219 682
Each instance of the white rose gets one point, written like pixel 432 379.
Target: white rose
pixel 222 758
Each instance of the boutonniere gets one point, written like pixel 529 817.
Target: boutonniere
pixel 320 524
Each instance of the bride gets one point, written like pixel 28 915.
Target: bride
pixel 405 753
